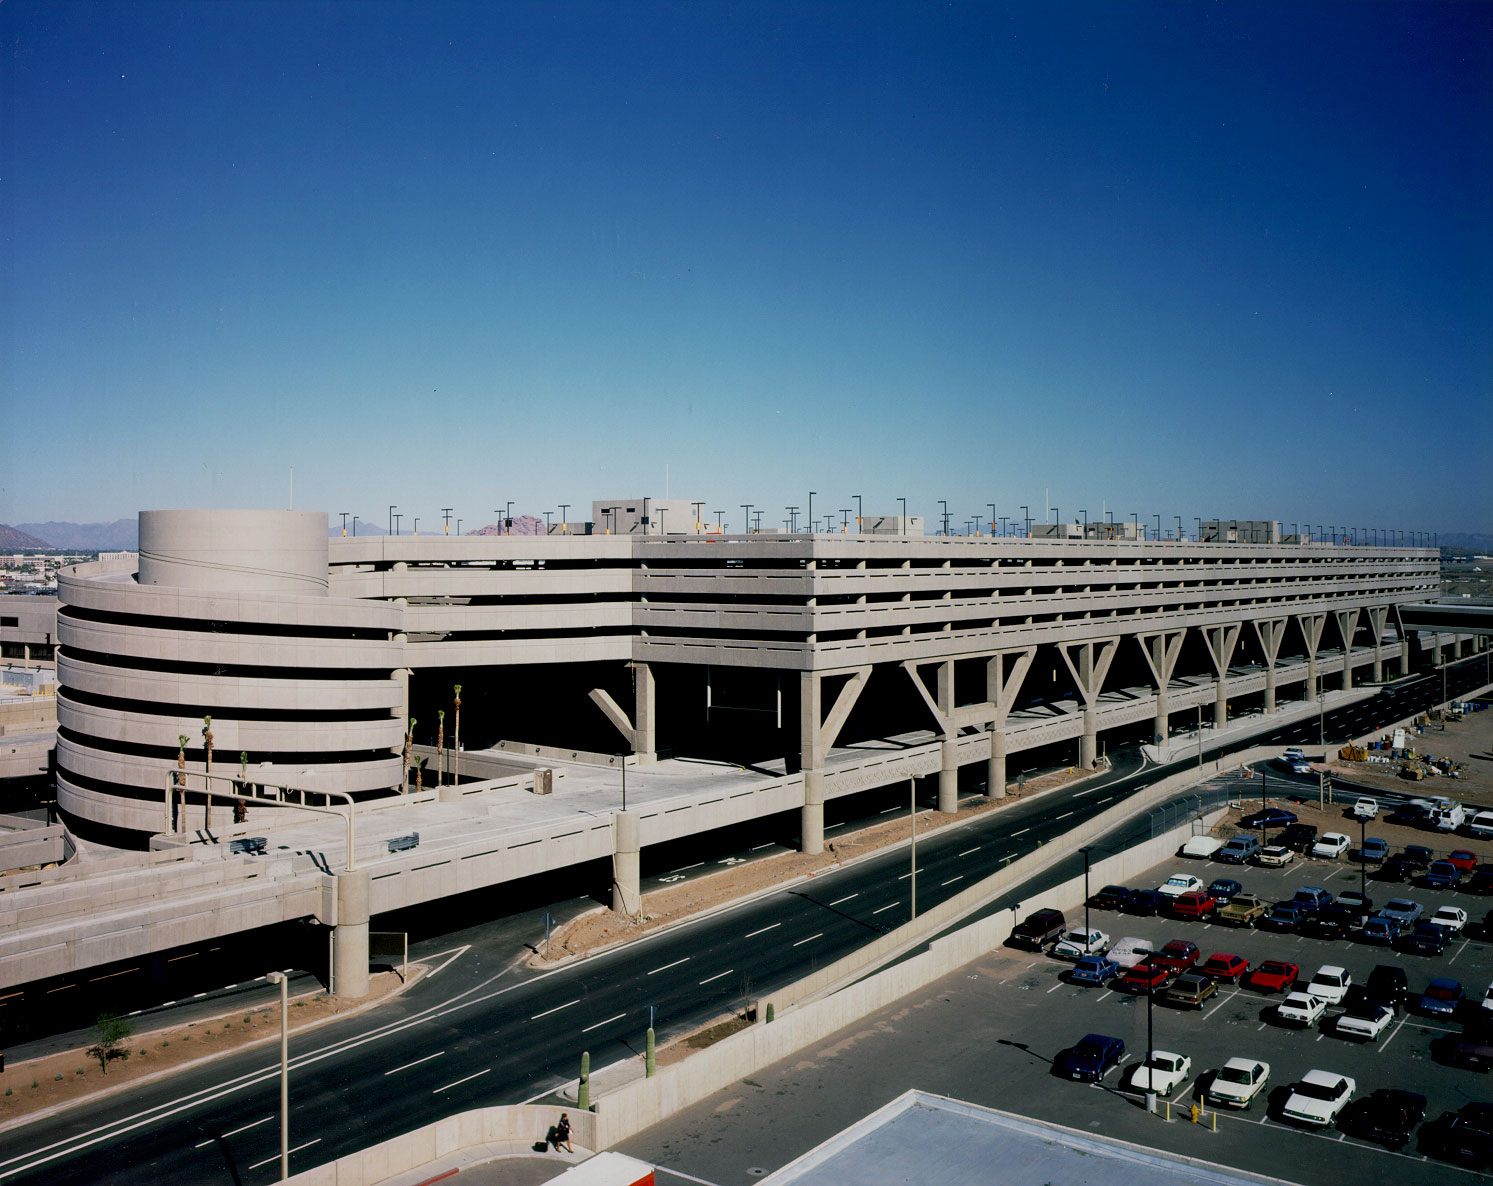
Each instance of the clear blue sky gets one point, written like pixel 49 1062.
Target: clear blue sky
pixel 1223 259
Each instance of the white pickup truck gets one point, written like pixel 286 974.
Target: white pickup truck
pixel 1365 808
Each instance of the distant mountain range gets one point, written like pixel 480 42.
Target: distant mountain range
pixel 13 539
pixel 1479 541
pixel 123 535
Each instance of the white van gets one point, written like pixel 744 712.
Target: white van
pixel 1481 824
pixel 1448 819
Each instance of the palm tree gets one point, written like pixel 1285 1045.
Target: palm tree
pixel 440 748
pixel 420 774
pixel 456 743
pixel 404 770
pixel 240 808
pixel 207 742
pixel 181 781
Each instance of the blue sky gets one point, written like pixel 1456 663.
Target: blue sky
pixel 1230 259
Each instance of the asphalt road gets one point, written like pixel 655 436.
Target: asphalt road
pixel 481 1031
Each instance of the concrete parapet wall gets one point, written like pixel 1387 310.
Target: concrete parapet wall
pixel 23 843
pixel 514 1129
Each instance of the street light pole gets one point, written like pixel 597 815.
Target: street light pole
pixel 912 795
pixel 283 980
pixel 1086 849
pixel 811 510
pixel 1027 514
pixel 903 501
pixel 857 498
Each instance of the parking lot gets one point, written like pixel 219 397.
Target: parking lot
pixel 990 1033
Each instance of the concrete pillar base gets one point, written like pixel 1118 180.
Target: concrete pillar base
pixel 1088 744
pixel 627 895
pixel 811 815
pixel 948 778
pixel 1269 691
pixel 350 938
pixel 995 767
pixel 1221 706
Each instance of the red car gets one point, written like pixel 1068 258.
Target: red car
pixel 1224 966
pixel 1273 976
pixel 1463 860
pixel 1146 976
pixel 1177 956
pixel 1197 904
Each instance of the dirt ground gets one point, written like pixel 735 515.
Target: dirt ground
pixel 42 1083
pixel 602 927
pixel 1468 742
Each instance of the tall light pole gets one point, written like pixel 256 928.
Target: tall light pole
pixel 746 510
pixel 903 501
pixel 792 519
pixel 1150 1049
pixel 283 980
pixel 355 527
pixel 391 517
pixel 858 527
pixel 344 523
pixel 912 795
pixel 508 518
pixel 417 524
pixel 398 515
pixel 991 505
pixel 1026 512
pixel 943 502
pixel 1086 849
pixel 446 520
pixel 565 516
pixel 811 510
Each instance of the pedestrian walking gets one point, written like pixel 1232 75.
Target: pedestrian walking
pixel 562 1134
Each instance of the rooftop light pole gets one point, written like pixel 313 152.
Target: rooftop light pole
pixel 398 515
pixel 391 519
pixel 446 520
pixel 417 524
pixel 344 523
pixel 719 529
pixel 857 498
pixel 746 510
pixel 458 527
pixel 1158 526
pixel 1027 512
pixel 943 502
pixel 792 519
pixel 1003 525
pixel 508 519
pixel 903 501
pixel 1179 528
pixel 355 526
pixel 811 510
pixel 1198 519
pixel 844 520
pixel 991 505
pixel 547 515
pixel 1135 520
pixel 565 515
pixel 1085 515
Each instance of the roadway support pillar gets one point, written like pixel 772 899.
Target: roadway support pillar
pixel 1221 641
pixel 1347 626
pixel 811 814
pixel 1270 632
pixel 995 769
pixel 1378 615
pixel 350 938
pixel 1161 651
pixel 1311 635
pixel 948 777
pixel 1004 673
pixel 1088 744
pixel 627 898
pixel 1088 670
pixel 645 741
pixel 816 733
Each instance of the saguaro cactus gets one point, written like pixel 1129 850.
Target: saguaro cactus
pixel 583 1091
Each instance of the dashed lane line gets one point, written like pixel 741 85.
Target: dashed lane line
pixel 417 1062
pixel 233 1132
pixel 708 979
pixel 556 1009
pixel 810 939
pixel 288 1152
pixel 459 1082
pixel 763 931
pixel 599 1024
pixel 675 964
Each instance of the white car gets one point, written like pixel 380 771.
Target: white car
pixel 1318 1098
pixel 1292 753
pixel 1162 1073
pixel 1237 1083
pixel 1365 809
pixel 1301 1009
pixel 1077 944
pixel 1481 824
pixel 1182 883
pixel 1330 984
pixel 1364 1022
pixel 1275 855
pixel 1129 951
pixel 1487 1001
pixel 1451 919
pixel 1331 845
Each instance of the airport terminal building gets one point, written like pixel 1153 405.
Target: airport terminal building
pixel 311 655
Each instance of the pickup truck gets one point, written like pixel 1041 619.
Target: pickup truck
pixel 1365 809
pixel 1244 910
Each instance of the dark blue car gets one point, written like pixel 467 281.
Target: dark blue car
pixel 1441 998
pixel 1089 1059
pixel 1225 889
pixel 1094 969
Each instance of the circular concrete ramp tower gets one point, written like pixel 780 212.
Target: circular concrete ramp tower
pixel 227 615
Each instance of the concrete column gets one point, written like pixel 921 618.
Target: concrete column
pixel 811 814
pixel 995 767
pixel 1088 744
pixel 1378 614
pixel 645 741
pixel 350 939
pixel 627 897
pixel 811 762
pixel 948 777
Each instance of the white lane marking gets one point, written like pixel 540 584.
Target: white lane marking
pixel 288 1152
pixel 599 1024
pixel 708 979
pixel 1111 799
pixel 1023 832
pixel 952 880
pixel 1054 988
pixel 675 964
pixel 454 952
pixel 846 898
pixel 763 931
pixel 1065 815
pixel 903 876
pixel 556 1009
pixel 888 906
pixel 888 810
pixel 1108 992
pixel 235 1132
pixel 810 939
pixel 416 1063
pixel 459 1082
pixel 760 847
pixel 967 851
pixel 683 868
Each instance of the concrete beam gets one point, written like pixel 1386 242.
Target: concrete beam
pixel 1221 641
pixel 1270 632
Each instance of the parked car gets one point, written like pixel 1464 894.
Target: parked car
pixel 1410 815
pixel 1300 1009
pixel 1394 868
pixel 1190 990
pixel 1272 976
pixel 1331 922
pixel 1374 850
pixel 1389 984
pixel 1364 1021
pixel 1225 966
pixel 1142 902
pixel 1464 1136
pixel 1481 824
pixel 1358 904
pixel 1441 875
pixel 1388 1116
pixel 1199 904
pixel 1200 847
pixel 1237 1083
pixel 1442 998
pixel 1090 1058
pixel 1038 929
pixel 1463 859
pixel 1176 886
pixel 1481 881
pixel 1318 1098
pixel 1079 942
pixel 1330 984
pixel 1268 817
pixel 1364 808
pixel 1297 837
pixel 1383 929
pixel 1178 954
pixel 1238 850
pixel 1225 889
pixel 1330 846
pixel 1405 909
pixel 1451 919
pixel 1418 856
pixel 1129 951
pixel 1111 897
pixel 1144 977
pixel 1471 1049
pixel 1097 970
pixel 1425 939
pixel 1274 856
pixel 1162 1073
pixel 1311 897
pixel 1283 916
pixel 1243 910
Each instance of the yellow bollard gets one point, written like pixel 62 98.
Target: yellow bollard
pixel 1215 1121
